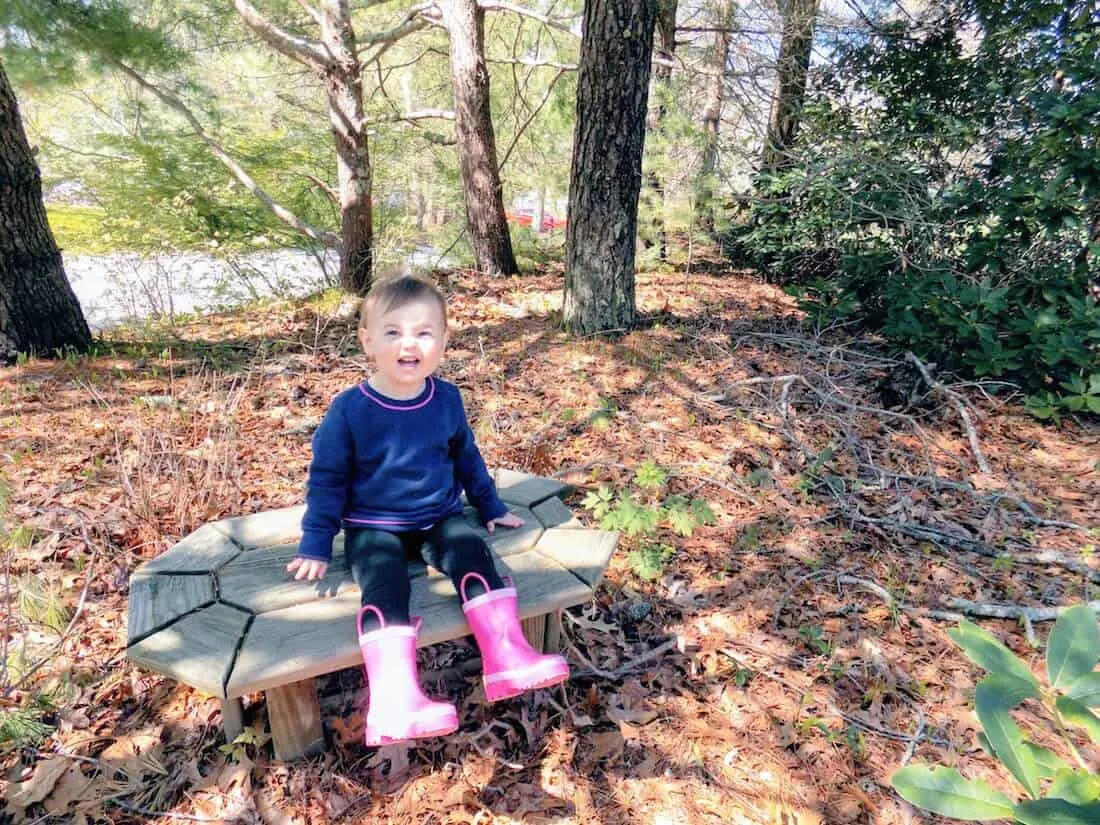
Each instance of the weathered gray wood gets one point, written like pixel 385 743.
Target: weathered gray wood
pixel 585 552
pixel 534 630
pixel 319 637
pixel 505 541
pixel 264 529
pixel 203 551
pixel 156 600
pixel 258 580
pixel 552 641
pixel 296 643
pixel 232 718
pixel 295 718
pixel 554 513
pixel 197 650
pixel 524 489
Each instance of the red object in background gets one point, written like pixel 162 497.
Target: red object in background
pixel 526 217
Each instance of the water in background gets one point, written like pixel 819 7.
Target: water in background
pixel 125 286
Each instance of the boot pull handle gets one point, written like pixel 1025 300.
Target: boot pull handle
pixel 377 612
pixel 466 578
pixel 508 582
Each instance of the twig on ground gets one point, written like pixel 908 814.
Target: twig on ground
pixel 1013 611
pixel 911 748
pixel 960 405
pixel 619 672
pixel 939 537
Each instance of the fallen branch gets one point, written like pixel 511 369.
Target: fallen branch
pixel 1014 611
pixel 939 537
pixel 960 404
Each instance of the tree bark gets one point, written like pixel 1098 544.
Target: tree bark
pixel 344 87
pixel 712 119
pixel 335 60
pixel 477 151
pixel 606 176
pixel 665 35
pixel 796 45
pixel 38 311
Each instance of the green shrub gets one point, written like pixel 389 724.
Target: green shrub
pixel 1055 793
pixel 958 214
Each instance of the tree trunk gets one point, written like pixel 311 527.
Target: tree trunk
pixel 606 176
pixel 38 311
pixel 665 31
pixel 712 119
pixel 344 87
pixel 477 151
pixel 799 17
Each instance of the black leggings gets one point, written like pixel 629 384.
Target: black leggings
pixel 379 563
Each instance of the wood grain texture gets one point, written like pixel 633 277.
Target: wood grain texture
pixel 264 529
pixel 554 513
pixel 156 600
pixel 508 540
pixel 585 552
pixel 525 490
pixel 232 718
pixel 203 551
pixel 295 718
pixel 197 650
pixel 259 582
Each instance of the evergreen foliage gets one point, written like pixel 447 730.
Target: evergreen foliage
pixel 946 190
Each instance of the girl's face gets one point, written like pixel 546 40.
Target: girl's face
pixel 406 344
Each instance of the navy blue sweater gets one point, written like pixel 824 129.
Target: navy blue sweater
pixel 392 465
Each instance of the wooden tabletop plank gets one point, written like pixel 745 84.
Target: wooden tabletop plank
pixel 258 580
pixel 585 552
pixel 156 600
pixel 525 490
pixel 264 529
pixel 196 650
pixel 203 551
pixel 554 513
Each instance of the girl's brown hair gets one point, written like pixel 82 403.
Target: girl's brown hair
pixel 393 293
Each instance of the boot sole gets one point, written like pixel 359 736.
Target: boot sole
pixel 522 682
pixel 440 725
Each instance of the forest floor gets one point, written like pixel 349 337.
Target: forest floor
pixel 775 667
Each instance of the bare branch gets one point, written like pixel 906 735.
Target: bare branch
pixel 960 404
pixel 329 239
pixel 312 12
pixel 419 114
pixel 417 19
pixel 545 19
pixel 520 61
pixel 310 52
pixel 523 126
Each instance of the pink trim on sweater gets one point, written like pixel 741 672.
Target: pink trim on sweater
pixel 364 387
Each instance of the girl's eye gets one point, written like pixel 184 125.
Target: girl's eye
pixel 427 333
pixel 391 333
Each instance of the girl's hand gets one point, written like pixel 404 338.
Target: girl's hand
pixel 507 520
pixel 307 569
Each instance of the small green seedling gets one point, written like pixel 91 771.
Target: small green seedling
pixel 1054 792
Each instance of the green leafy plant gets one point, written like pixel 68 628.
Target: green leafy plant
pixel 644 514
pixel 1055 792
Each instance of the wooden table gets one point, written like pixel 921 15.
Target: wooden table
pixel 219 612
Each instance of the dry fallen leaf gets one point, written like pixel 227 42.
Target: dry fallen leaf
pixel 42 782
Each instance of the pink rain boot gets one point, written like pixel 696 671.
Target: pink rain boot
pixel 397 709
pixel 511 665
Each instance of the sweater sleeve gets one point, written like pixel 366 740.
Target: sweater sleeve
pixel 471 472
pixel 328 484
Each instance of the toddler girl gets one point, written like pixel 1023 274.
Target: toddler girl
pixel 390 461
